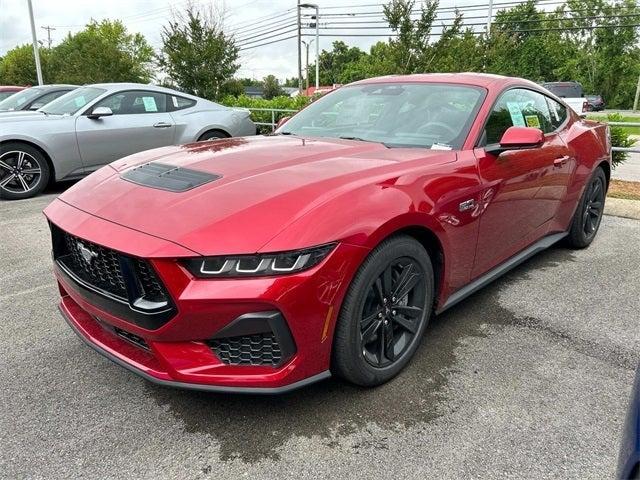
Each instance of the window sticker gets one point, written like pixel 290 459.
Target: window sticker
pixel 516 114
pixel 149 104
pixel 79 101
pixel 175 101
pixel 532 121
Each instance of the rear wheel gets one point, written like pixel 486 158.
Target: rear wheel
pixel 212 135
pixel 24 172
pixel 385 313
pixel 588 215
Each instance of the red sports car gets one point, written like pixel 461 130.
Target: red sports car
pixel 266 263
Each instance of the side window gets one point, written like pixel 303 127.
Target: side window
pixel 135 102
pixel 521 108
pixel 46 98
pixel 180 103
pixel 558 113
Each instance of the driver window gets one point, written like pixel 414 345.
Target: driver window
pixel 521 108
pixel 135 102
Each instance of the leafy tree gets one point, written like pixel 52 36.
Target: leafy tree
pixel 18 66
pixel 196 53
pixel 233 87
pixel 271 87
pixel 333 63
pixel 102 52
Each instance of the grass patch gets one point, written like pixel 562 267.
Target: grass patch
pixel 624 189
pixel 601 117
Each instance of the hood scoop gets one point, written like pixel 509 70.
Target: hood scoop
pixel 167 177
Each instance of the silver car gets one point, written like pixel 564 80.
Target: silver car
pixel 34 98
pixel 97 124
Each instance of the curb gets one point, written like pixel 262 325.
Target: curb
pixel 620 207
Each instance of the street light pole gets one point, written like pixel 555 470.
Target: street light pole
pixel 307 45
pixel 317 47
pixel 299 51
pixel 34 39
pixel 489 17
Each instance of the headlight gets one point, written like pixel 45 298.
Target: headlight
pixel 261 265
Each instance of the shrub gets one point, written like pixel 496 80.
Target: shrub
pixel 619 138
pixel 282 102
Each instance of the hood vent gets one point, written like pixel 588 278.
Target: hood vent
pixel 167 177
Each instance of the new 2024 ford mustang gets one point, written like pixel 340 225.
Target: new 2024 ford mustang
pixel 265 263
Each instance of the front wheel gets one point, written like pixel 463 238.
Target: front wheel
pixel 24 172
pixel 588 215
pixel 385 313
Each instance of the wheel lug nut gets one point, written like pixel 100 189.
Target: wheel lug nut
pixel 386 322
pixel 384 300
pixel 393 312
pixel 393 299
pixel 380 315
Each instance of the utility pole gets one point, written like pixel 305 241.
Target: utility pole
pixel 307 45
pixel 635 100
pixel 299 51
pixel 489 17
pixel 316 18
pixel 36 55
pixel 48 28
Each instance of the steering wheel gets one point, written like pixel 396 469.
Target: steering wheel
pixel 438 125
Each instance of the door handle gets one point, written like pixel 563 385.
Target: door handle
pixel 560 161
pixel 162 125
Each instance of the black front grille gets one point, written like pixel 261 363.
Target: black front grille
pixel 100 269
pixel 110 274
pixel 258 349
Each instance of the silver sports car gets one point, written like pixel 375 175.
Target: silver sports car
pixel 97 124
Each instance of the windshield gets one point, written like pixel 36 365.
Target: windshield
pixel 432 115
pixel 571 90
pixel 15 102
pixel 71 102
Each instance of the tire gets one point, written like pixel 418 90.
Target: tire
pixel 24 172
pixel 588 214
pixel 212 135
pixel 357 336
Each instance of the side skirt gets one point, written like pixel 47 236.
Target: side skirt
pixel 501 269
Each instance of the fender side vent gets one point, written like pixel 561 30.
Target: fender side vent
pixel 167 177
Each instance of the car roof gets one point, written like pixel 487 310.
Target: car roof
pixel 53 86
pixel 466 78
pixel 11 88
pixel 114 87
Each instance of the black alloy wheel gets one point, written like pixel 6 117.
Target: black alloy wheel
pixel 384 313
pixel 588 214
pixel 392 312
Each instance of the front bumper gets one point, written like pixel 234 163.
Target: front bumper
pixel 179 352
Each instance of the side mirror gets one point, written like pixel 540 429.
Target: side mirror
pixel 100 112
pixel 518 138
pixel 282 121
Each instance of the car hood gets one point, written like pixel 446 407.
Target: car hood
pixel 27 116
pixel 264 184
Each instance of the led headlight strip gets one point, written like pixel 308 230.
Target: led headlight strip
pixel 266 264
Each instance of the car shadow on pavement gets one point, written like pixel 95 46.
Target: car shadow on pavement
pixel 252 428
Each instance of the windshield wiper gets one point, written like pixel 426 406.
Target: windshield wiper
pixel 360 139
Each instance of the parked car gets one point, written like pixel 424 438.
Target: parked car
pixel 97 124
pixel 629 457
pixel 596 103
pixel 571 93
pixel 35 97
pixel 8 90
pixel 265 263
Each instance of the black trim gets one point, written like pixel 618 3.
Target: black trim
pixel 501 269
pixel 167 177
pixel 149 319
pixel 197 386
pixel 262 322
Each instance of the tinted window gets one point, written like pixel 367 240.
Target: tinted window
pixel 432 115
pixel 179 103
pixel 135 102
pixel 73 101
pixel 46 98
pixel 20 99
pixel 520 108
pixel 558 113
pixel 565 90
pixel 4 95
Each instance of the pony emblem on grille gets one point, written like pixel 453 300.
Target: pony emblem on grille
pixel 87 254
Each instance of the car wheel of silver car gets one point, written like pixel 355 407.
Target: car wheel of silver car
pixel 384 313
pixel 24 172
pixel 212 135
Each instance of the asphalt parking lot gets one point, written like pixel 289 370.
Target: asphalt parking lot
pixel 528 378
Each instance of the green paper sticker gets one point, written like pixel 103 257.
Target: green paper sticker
pixel 516 114
pixel 532 121
pixel 149 104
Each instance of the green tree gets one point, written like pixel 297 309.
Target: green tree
pixel 271 87
pixel 102 52
pixel 196 53
pixel 333 63
pixel 18 67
